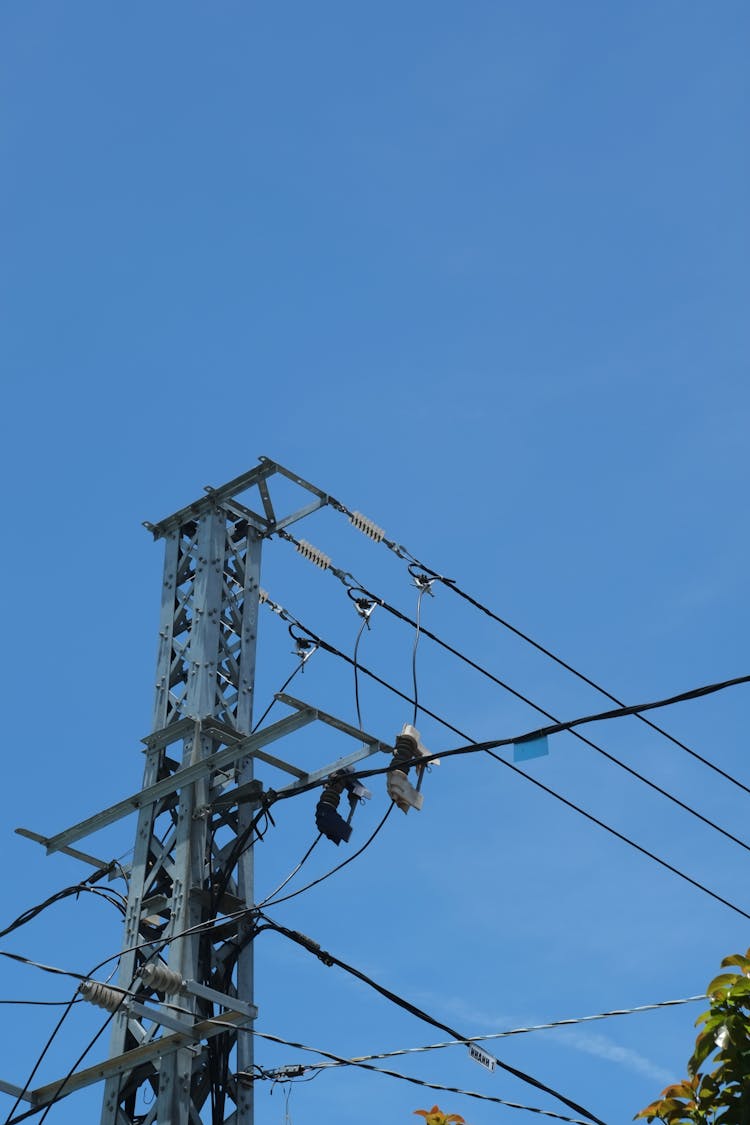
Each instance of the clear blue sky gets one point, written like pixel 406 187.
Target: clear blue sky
pixel 480 270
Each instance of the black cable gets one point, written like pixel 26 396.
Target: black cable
pixel 113 897
pixel 283 688
pixel 43 1003
pixel 423 588
pixel 338 867
pixel 329 959
pixel 475 747
pixel 38 1062
pixel 576 734
pixel 405 555
pixel 347 580
pixel 57 1096
pixel 291 874
pixel 360 1064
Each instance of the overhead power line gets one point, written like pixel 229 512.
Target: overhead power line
pixel 339 1060
pixel 511 1032
pixel 351 584
pixel 490 747
pixel 329 959
pixel 377 534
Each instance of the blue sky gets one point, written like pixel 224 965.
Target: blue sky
pixel 481 272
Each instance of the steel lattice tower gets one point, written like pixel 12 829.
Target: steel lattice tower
pixel 186 867
pixel 184 998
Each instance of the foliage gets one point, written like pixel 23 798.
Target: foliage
pixel 435 1116
pixel 720 1096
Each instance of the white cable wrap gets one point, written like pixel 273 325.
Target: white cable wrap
pixel 367 527
pixel 313 554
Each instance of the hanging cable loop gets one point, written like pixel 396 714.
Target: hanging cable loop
pixel 304 647
pixel 421 580
pixel 363 605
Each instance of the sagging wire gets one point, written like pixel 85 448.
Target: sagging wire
pixel 338 867
pixel 424 585
pixel 367 527
pixel 512 1031
pixel 330 960
pixel 338 1060
pixel 304 648
pixel 364 607
pixel 475 747
pixel 271 898
pixel 414 569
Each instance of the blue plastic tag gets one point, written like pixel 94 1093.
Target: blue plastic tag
pixel 533 748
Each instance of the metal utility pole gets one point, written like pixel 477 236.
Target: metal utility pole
pixel 185 987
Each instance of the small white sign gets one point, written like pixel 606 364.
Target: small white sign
pixel 480 1056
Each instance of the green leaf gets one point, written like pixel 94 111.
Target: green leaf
pixel 737 959
pixel 723 981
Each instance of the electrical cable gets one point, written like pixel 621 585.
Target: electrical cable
pixel 338 867
pixel 291 874
pixel 38 1063
pixel 424 587
pixel 303 660
pixel 329 959
pixel 516 1031
pixel 347 579
pixel 339 1060
pixel 42 1003
pixel 115 898
pixel 488 747
pixel 405 555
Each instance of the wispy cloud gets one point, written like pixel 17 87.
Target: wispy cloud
pixel 605 1048
pixel 476 1021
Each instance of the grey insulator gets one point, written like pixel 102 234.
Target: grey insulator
pixel 100 994
pixel 161 978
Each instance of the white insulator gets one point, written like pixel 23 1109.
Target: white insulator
pixel 161 978
pixel 367 527
pixel 101 995
pixel 313 554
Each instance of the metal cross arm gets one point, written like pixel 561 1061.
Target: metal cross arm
pixel 227 494
pixel 128 1061
pixel 242 748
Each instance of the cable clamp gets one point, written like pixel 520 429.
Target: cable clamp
pixel 422 581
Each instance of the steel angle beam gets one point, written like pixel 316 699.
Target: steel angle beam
pixel 332 721
pixel 129 1060
pixel 243 748
pixel 369 745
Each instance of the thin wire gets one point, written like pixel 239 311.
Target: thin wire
pixel 547 714
pixel 518 1031
pixel 555 728
pixel 347 579
pixel 39 1061
pixel 404 554
pixel 365 624
pixel 291 874
pixel 44 1003
pixel 338 867
pixel 417 630
pixel 339 1060
pixel 283 688
pixel 329 959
